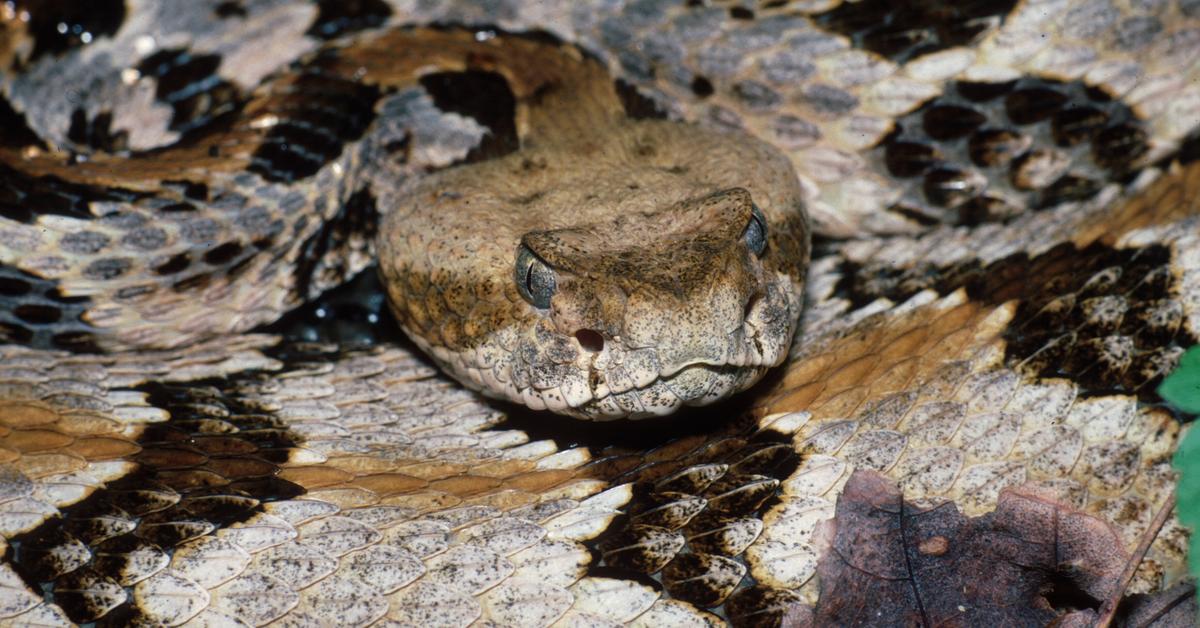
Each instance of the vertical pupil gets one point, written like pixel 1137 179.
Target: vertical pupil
pixel 756 232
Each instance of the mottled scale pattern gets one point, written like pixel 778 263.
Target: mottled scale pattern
pixel 347 487
pixel 958 350
pixel 192 226
pixel 901 32
pixel 983 152
pixel 804 75
pixel 1109 318
pixel 33 312
pixel 189 85
pixel 723 520
pixel 827 96
pixel 697 506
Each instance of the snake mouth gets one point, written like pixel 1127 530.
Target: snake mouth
pixel 614 392
pixel 696 384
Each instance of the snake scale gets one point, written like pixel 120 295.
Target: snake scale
pixel 966 233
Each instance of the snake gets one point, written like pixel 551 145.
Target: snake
pixel 880 265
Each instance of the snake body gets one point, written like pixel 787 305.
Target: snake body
pixel 583 192
pixel 1004 200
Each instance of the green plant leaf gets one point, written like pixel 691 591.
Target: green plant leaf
pixel 1182 387
pixel 1187 492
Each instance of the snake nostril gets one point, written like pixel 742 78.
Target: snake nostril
pixel 590 340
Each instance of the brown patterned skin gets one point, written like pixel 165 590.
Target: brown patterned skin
pixel 967 342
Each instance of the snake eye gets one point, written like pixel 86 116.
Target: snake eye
pixel 535 280
pixel 756 232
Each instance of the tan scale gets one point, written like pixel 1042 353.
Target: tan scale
pixel 406 482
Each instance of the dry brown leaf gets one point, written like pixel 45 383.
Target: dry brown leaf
pixel 893 563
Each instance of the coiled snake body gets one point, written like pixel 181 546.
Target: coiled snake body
pixel 601 209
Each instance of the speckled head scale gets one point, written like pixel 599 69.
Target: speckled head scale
pixel 674 279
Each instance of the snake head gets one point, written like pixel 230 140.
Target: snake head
pixel 658 309
pixel 657 266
